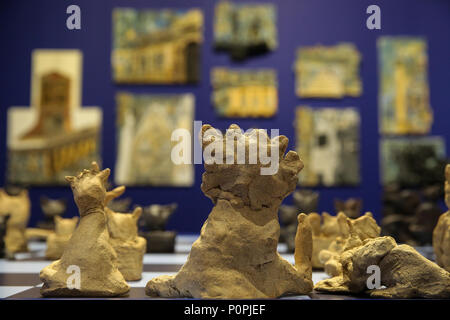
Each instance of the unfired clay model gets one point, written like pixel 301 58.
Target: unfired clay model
pixel 236 254
pixel 18 208
pixel 88 266
pixel 123 232
pixel 403 271
pixel 365 227
pixel 51 208
pixel 154 220
pixel 441 234
pixel 57 241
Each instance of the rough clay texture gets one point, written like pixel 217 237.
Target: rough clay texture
pixel 123 232
pixel 57 241
pixel 364 227
pixel 236 254
pixel 441 233
pixel 89 247
pixel 404 272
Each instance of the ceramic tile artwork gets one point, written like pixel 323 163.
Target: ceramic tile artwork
pixel 404 105
pixel 409 161
pixel 328 72
pixel 246 29
pixel 328 143
pixel 145 124
pixel 157 46
pixel 55 136
pixel 244 93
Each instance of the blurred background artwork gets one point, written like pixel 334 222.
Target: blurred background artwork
pixel 54 137
pixel 244 93
pixel 328 141
pixel 412 162
pixel 245 29
pixel 145 125
pixel 328 72
pixel 157 46
pixel 404 103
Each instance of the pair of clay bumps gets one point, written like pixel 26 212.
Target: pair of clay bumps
pixel 105 246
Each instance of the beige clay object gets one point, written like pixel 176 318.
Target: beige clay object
pixel 441 233
pixel 123 232
pixel 403 271
pixel 18 208
pixel 325 229
pixel 57 241
pixel 364 227
pixel 236 254
pixel 89 250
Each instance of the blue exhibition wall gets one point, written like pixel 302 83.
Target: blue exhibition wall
pixel 28 25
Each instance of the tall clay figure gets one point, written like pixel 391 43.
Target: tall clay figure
pixel 441 233
pixel 236 255
pixel 88 266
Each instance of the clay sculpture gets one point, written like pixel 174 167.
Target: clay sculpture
pixel 351 207
pixel 18 208
pixel 325 229
pixel 403 272
pixel 123 232
pixel 441 234
pixel 51 208
pixel 88 266
pixel 3 223
pixel 57 241
pixel 236 254
pixel 305 201
pixel 154 220
pixel 364 227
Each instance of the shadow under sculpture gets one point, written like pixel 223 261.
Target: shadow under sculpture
pixel 236 254
pixel 89 248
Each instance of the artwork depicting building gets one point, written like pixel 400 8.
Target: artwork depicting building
pixel 328 143
pixel 404 105
pixel 412 162
pixel 54 137
pixel 245 29
pixel 328 72
pixel 157 46
pixel 244 93
pixel 145 125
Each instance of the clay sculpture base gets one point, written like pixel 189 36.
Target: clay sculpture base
pixel 89 250
pixel 236 255
pixel 160 241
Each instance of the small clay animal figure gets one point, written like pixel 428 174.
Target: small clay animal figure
pixel 89 252
pixel 3 223
pixel 156 216
pixel 236 255
pixel 351 207
pixel 120 205
pixel 154 220
pixel 18 208
pixel 51 208
pixel 123 232
pixel 57 241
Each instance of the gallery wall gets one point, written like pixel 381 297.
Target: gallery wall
pixel 28 25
